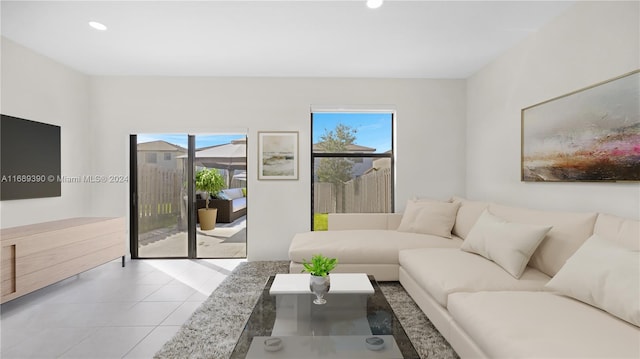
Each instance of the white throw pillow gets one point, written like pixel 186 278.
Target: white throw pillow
pixel 604 274
pixel 508 244
pixel 429 217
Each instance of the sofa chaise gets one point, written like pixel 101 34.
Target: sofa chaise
pixel 504 282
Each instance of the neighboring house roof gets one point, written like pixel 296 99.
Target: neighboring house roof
pixel 379 164
pixel 318 147
pixel 160 146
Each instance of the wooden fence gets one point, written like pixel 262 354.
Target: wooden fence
pixel 370 193
pixel 159 197
pixel 324 198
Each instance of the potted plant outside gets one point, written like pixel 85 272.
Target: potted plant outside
pixel 320 282
pixel 212 182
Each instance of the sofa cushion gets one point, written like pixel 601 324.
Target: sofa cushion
pixel 346 221
pixel 429 217
pixel 604 274
pixel 620 230
pixel 238 204
pixel 467 215
pixel 541 325
pixel 362 246
pixel 442 271
pixel 232 193
pixel 509 244
pixel 570 230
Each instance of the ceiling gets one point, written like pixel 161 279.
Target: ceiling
pixel 402 39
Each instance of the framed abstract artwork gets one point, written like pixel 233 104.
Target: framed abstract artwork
pixel 592 134
pixel 277 155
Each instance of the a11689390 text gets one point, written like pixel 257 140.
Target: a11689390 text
pixel 42 178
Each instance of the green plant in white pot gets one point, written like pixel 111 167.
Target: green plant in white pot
pixel 320 282
pixel 212 182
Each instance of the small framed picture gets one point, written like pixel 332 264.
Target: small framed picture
pixel 277 155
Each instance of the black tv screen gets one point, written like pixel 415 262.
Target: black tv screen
pixel 29 159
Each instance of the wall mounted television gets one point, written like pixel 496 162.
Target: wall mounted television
pixel 29 159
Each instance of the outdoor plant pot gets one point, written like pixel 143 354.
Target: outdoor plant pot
pixel 319 286
pixel 207 217
pixel 208 180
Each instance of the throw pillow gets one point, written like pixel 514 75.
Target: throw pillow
pixel 244 191
pixel 222 195
pixel 233 193
pixel 429 217
pixel 467 215
pixel 510 245
pixel 604 274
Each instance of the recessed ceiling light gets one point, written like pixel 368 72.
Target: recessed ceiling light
pixel 374 4
pixel 98 26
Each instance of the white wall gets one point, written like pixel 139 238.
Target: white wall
pixel 590 43
pixel 429 133
pixel 36 88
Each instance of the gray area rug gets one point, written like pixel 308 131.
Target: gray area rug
pixel 214 328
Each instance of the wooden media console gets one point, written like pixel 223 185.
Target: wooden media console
pixel 37 255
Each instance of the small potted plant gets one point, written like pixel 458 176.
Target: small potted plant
pixel 319 268
pixel 210 181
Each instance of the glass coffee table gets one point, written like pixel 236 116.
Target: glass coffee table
pixel 349 325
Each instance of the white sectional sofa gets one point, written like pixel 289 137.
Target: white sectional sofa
pixel 584 267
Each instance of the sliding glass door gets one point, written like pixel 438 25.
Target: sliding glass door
pixel 165 199
pixel 226 155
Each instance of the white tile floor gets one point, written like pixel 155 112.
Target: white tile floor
pixel 109 311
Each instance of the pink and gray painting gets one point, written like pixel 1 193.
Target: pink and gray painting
pixel 590 135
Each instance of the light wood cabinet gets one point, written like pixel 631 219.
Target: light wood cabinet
pixel 41 254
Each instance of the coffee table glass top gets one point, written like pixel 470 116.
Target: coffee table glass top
pixel 349 325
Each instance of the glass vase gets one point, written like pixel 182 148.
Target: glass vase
pixel 319 286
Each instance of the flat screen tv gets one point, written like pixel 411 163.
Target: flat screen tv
pixel 29 159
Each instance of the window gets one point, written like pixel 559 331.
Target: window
pixel 167 156
pixel 151 157
pixel 352 164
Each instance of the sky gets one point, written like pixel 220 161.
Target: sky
pixel 373 130
pixel 181 139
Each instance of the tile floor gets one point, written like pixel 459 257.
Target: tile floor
pixel 109 311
